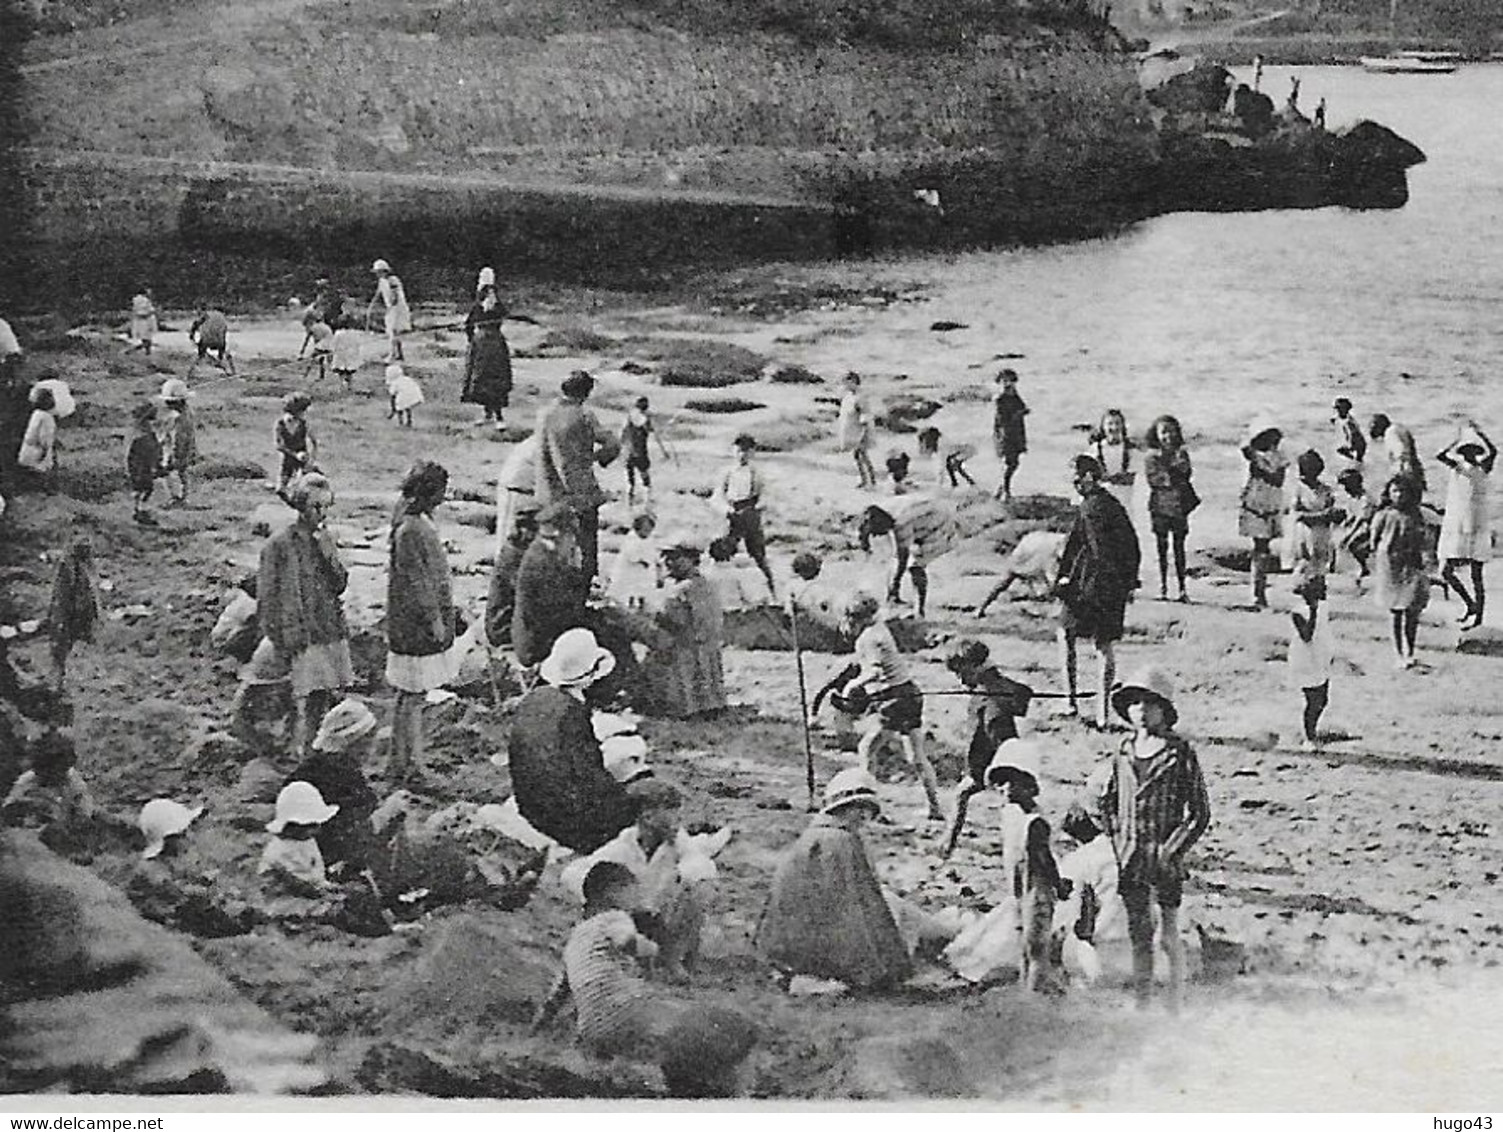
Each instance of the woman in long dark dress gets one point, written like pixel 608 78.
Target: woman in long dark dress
pixel 487 367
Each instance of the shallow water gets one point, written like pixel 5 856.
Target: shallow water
pixel 1221 316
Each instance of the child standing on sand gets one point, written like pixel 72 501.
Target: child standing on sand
pixel 294 440
pixel 1310 658
pixel 179 437
pixel 1028 866
pixel 1315 515
pixel 143 461
pixel 855 430
pixel 1009 434
pixel 1356 532
pixel 143 322
pixel 1262 502
pixel 1151 800
pixel 1401 577
pixel 344 354
pixel 322 339
pixel 1466 532
pixel 634 434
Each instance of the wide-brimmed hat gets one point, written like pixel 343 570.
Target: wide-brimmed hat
pixel 577 659
pixel 345 722
pixel 1151 683
pixel 162 818
pixel 851 787
pixel 175 389
pixel 1019 756
pixel 487 277
pixel 380 265
pixel 680 541
pixel 300 803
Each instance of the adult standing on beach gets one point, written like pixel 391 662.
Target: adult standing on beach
pixel 487 365
pixel 298 603
pixel 1009 434
pixel 571 443
pixel 1171 498
pixel 1398 444
pixel 393 299
pixel 1260 517
pixel 419 611
pixel 1098 572
pixel 1466 536
pixel 855 430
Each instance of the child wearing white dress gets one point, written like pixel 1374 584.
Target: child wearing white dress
pixel 345 354
pixel 1466 532
pixel 636 575
pixel 404 392
pixel 1118 457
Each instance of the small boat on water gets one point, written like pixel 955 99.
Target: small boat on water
pixel 1413 63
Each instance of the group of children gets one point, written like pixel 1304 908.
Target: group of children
pixel 163 445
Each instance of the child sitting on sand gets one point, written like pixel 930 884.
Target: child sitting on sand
pixel 700 1049
pixel 405 393
pixel 166 885
pixel 291 861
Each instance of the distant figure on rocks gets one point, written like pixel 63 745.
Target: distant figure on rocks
pixel 571 442
pixel 392 296
pixel 1260 516
pixel 210 333
pixel 1401 575
pixel 1398 446
pixel 487 366
pixel 1466 536
pixel 1171 498
pixel 1098 573
pixel 299 604
pixel 419 612
pixel 558 773
pixel 1009 432
pixel 826 916
pixel 854 427
pixel 1254 110
pixel 143 321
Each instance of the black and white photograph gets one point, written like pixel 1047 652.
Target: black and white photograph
pixel 751 554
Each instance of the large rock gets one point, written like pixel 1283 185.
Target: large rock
pixel 98 1000
pixel 504 1073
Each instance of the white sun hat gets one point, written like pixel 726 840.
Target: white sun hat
pixel 345 722
pixel 609 723
pixel 175 389
pixel 487 278
pixel 625 757
pixel 851 787
pixel 577 660
pixel 300 803
pixel 380 265
pixel 160 819
pixel 1017 754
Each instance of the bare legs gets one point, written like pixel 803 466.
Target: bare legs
pixel 1108 674
pixel 1474 601
pixel 1405 629
pixel 1162 541
pixel 913 751
pixel 1140 929
pixel 864 468
pixel 406 735
pixel 1259 570
pixel 1315 705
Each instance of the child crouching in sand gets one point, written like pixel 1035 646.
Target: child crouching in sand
pixel 405 394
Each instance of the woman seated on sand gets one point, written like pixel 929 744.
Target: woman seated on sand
pixel 684 664
pixel 826 916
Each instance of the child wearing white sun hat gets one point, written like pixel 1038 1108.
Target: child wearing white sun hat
pixel 291 859
pixel 163 823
